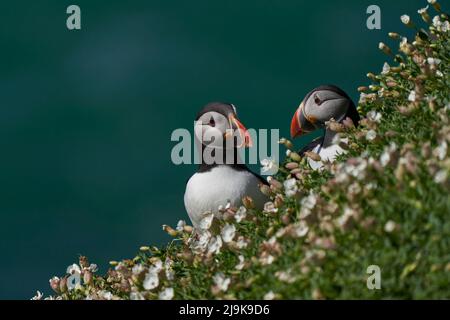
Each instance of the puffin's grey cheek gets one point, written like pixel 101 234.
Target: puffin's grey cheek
pixel 336 109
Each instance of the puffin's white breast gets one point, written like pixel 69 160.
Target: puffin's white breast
pixel 328 154
pixel 206 191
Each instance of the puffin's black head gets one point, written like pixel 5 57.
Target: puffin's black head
pixel 220 119
pixel 321 105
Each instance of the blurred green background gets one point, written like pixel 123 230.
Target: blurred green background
pixel 86 116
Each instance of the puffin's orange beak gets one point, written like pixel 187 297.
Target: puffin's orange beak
pixel 246 139
pixel 296 129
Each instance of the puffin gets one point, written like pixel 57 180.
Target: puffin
pixel 320 105
pixel 221 177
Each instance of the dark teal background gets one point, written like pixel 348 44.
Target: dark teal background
pixel 86 116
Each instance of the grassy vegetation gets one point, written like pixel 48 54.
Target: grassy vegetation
pixel 385 202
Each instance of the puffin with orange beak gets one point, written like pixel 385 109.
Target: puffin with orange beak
pixel 319 106
pixel 221 177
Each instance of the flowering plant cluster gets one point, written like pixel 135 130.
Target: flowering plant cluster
pixel 384 202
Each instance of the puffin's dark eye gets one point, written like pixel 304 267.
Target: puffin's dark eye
pixel 317 100
pixel 212 122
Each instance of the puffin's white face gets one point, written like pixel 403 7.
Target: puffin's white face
pixel 319 107
pixel 219 129
pixel 324 105
pixel 211 128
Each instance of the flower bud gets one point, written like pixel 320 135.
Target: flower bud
pixel 295 156
pixel 287 143
pixel 54 284
pixel 391 84
pixel 63 284
pixel 383 47
pixel 435 5
pixel 83 261
pixel 335 126
pixel 274 183
pixel 278 201
pixel 406 20
pixel 372 76
pixel 286 219
pixel 363 89
pixel 348 123
pixel 313 156
pixel 424 14
pixel 394 35
pixel 87 277
pixel 291 165
pixel 187 229
pixel 248 202
pixel 172 232
pixel 265 189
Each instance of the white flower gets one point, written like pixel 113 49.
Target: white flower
pixel 180 225
pixel 441 176
pixel 374 116
pixel 93 267
pixel 269 166
pixel 422 10
pixel 386 68
pixel 206 221
pixel 371 135
pixel 441 151
pixel 168 267
pixel 370 186
pixel 285 276
pixel 290 187
pixel 390 226
pixel 310 201
pixel 439 73
pixel 354 188
pixel 136 296
pixel 156 267
pixel 241 242
pixel 362 98
pixel 228 232
pixel 240 214
pixel 221 281
pixel 300 229
pixel 338 139
pixel 166 294
pixel 385 158
pixel 441 26
pixel 266 258
pixel 73 269
pixel 214 245
pixel 105 295
pixel 355 170
pixel 269 296
pixel 433 61
pixel 38 296
pixel 200 243
pixel 269 207
pixel 405 19
pixel 241 263
pixel 151 281
pixel 137 269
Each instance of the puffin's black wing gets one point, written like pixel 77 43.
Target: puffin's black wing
pixel 310 146
pixel 243 167
pixel 261 179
